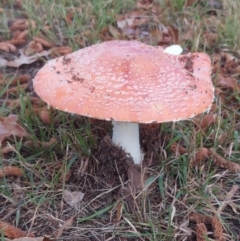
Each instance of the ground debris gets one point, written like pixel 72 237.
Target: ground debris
pixel 10 171
pixel 9 126
pixel 201 231
pixel 203 154
pixel 223 163
pixel 13 232
pixel 203 221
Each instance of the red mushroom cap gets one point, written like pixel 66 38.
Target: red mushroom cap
pixel 127 81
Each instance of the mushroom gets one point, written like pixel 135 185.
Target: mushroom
pixel 127 82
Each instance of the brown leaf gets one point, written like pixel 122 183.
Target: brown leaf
pixel 16 89
pixel 114 32
pixel 201 231
pixel 12 231
pixel 223 163
pixel 119 211
pixel 44 114
pixel 22 24
pixel 47 239
pixel 210 39
pixel 10 171
pixel 189 3
pixel 217 229
pixel 67 224
pixel 43 41
pixel 145 4
pixel 17 80
pixel 7 149
pixel 207 120
pixel 200 156
pixel 137 177
pixel 209 220
pixel 134 25
pixel 228 198
pixel 16 41
pixel 178 149
pixel 174 35
pixel 7 47
pixel 69 17
pixel 34 100
pixel 16 34
pixel 57 51
pixel 20 34
pixel 228 82
pixel 33 47
pixel 30 239
pixel 9 126
pixel 65 177
pixel 41 144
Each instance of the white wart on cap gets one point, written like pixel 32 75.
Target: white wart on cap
pixel 127 81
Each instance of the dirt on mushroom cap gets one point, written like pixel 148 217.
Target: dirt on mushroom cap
pixel 127 81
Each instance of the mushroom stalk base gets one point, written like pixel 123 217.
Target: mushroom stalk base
pixel 126 135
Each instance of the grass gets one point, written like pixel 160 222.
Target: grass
pixel 176 187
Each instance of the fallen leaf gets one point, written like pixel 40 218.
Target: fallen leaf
pixel 135 177
pixel 178 149
pixel 57 51
pixel 33 47
pixel 145 4
pixel 30 239
pixel 34 100
pixel 209 220
pixel 114 32
pixel 15 89
pixel 119 211
pixel 18 193
pixel 10 171
pixel 14 81
pixel 44 114
pixel 16 41
pixel 41 144
pixel 43 41
pixel 207 120
pixel 201 231
pixel 228 82
pixel 200 156
pixel 65 177
pixel 224 163
pixel 210 39
pixel 13 232
pixel 20 34
pixel 7 149
pixel 9 126
pixel 22 24
pixel 7 47
pixel 23 59
pixel 72 198
pixel 65 226
pixel 69 17
pixel 228 198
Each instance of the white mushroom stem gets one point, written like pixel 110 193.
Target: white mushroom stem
pixel 126 135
